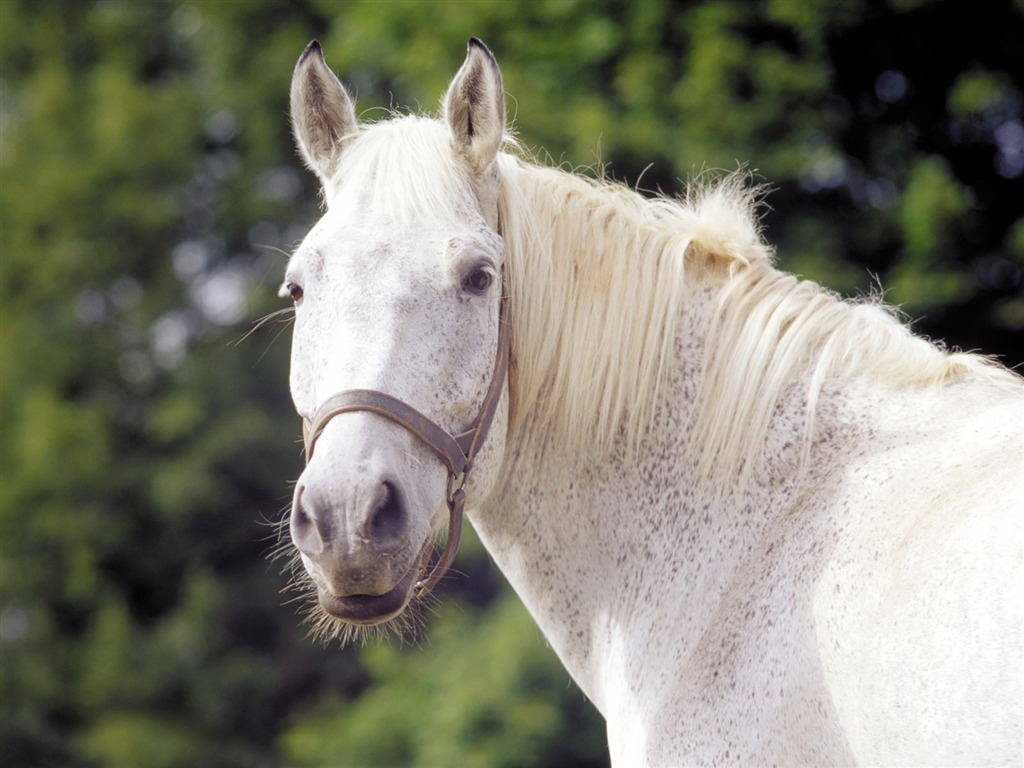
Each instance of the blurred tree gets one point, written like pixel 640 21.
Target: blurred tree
pixel 146 184
pixel 148 195
pixel 483 693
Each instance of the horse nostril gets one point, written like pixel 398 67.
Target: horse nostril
pixel 387 520
pixel 305 531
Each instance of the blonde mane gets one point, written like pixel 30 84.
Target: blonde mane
pixel 598 275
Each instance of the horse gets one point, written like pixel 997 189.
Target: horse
pixel 758 523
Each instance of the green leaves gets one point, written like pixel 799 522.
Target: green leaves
pixel 928 213
pixel 482 691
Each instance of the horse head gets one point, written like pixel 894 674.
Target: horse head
pixel 398 356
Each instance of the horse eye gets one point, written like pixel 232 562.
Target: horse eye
pixel 295 291
pixel 477 281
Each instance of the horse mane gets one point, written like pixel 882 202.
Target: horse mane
pixel 606 267
pixel 598 274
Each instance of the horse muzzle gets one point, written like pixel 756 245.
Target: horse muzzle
pixel 360 549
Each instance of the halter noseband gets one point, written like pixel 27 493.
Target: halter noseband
pixel 455 451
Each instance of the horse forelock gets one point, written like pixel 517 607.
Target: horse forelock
pixel 406 166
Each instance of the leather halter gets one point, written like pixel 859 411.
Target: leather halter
pixel 455 451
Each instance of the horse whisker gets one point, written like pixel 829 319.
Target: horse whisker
pixel 275 316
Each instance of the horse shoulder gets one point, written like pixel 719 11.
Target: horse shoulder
pixel 832 643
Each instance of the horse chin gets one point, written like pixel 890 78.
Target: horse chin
pixel 368 610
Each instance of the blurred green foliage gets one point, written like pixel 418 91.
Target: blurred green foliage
pixel 148 195
pixel 482 693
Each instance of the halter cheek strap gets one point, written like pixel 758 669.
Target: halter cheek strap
pixel 455 451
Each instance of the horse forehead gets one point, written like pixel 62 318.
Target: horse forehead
pixel 378 274
pixel 368 246
pixel 375 246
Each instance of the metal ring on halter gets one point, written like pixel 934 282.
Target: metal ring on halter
pixel 455 451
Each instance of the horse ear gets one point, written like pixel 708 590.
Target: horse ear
pixel 475 107
pixel 322 112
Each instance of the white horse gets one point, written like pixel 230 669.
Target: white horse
pixel 757 523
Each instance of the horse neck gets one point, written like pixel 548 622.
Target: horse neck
pixel 621 558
